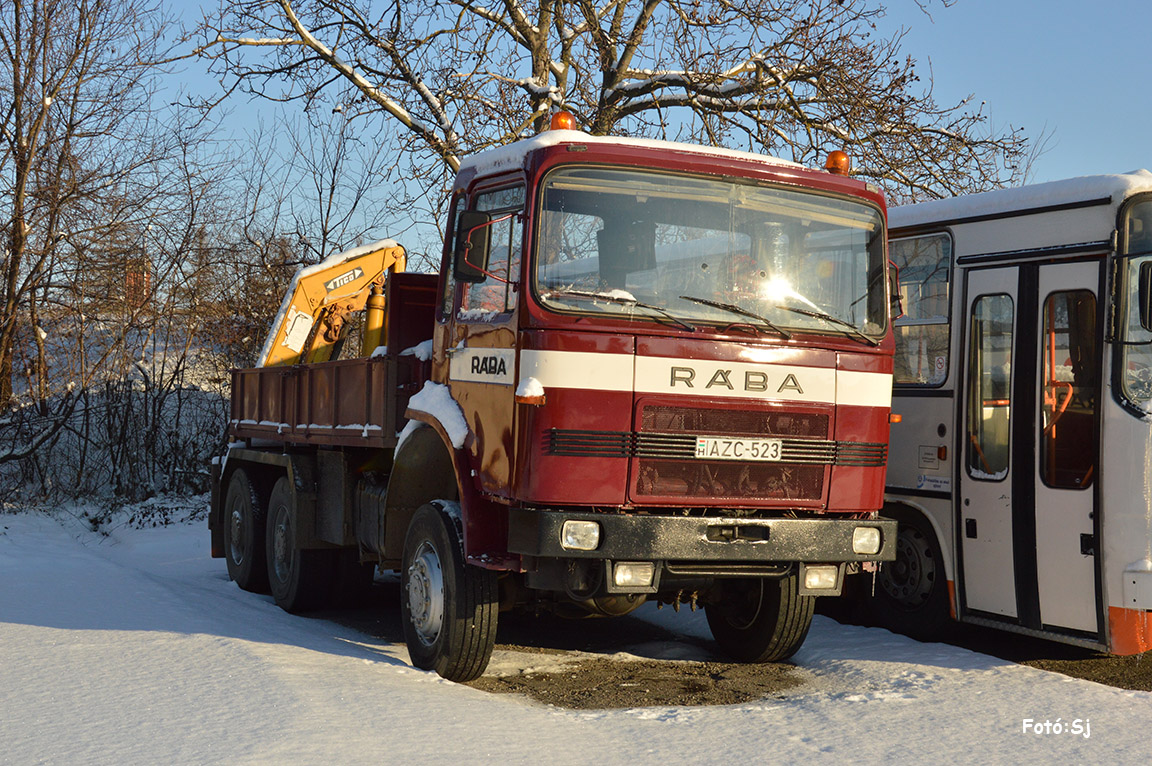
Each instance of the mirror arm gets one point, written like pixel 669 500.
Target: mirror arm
pixel 468 246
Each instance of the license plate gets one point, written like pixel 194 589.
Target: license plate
pixel 722 448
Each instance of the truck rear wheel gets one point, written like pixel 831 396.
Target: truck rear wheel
pixel 244 534
pixel 300 579
pixel 760 620
pixel 449 609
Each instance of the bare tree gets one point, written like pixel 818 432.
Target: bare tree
pixel 78 138
pixel 790 77
pixel 109 211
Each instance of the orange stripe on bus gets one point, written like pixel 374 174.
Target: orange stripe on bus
pixel 1130 630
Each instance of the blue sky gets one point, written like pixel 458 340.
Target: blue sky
pixel 1071 70
pixel 1077 70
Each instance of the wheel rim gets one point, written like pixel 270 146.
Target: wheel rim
pixel 908 580
pixel 282 545
pixel 426 594
pixel 743 608
pixel 236 534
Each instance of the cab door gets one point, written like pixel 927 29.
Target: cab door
pixel 482 347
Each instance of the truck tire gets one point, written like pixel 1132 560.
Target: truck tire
pixel 449 609
pixel 760 620
pixel 911 593
pixel 300 579
pixel 244 534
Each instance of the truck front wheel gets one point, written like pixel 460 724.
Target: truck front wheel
pixel 244 534
pixel 300 579
pixel 760 620
pixel 449 608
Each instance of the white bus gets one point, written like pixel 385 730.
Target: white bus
pixel 1021 468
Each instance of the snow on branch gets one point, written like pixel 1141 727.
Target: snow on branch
pixel 775 77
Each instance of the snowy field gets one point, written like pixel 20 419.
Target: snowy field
pixel 134 648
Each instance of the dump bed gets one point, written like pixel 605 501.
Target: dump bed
pixel 349 403
pixel 352 403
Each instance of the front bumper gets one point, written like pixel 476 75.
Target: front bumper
pixel 718 540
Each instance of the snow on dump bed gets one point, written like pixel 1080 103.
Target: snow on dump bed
pixel 511 156
pixel 1071 190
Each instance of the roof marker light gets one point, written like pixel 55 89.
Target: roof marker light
pixel 838 163
pixel 563 120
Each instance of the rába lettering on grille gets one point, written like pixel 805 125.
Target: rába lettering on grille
pixel 734 380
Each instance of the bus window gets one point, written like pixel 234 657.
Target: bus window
pixel 922 333
pixel 990 387
pixel 1068 389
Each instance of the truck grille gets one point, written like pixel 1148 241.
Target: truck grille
pixel 725 481
pixel 667 467
pixel 696 420
pixel 666 463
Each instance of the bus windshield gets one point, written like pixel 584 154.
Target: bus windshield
pixel 700 251
pixel 1136 348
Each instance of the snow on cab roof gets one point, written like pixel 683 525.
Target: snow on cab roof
pixel 511 156
pixel 1021 198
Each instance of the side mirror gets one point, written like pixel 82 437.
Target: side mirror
pixel 896 301
pixel 1144 295
pixel 470 262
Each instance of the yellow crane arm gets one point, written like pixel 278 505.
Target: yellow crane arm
pixel 313 316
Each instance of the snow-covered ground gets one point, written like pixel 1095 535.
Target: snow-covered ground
pixel 134 648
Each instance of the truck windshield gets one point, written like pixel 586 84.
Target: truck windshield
pixel 1136 346
pixel 706 251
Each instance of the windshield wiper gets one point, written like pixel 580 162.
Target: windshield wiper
pixel 732 307
pixel 851 328
pixel 624 301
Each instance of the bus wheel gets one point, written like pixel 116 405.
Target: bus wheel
pixel 911 592
pixel 300 579
pixel 448 608
pixel 760 620
pixel 244 534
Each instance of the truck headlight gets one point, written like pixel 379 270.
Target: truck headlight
pixel 866 540
pixel 633 574
pixel 821 576
pixel 578 535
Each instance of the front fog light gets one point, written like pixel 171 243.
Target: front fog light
pixel 821 577
pixel 866 540
pixel 637 574
pixel 580 535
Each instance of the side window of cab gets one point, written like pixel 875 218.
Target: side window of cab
pixel 496 295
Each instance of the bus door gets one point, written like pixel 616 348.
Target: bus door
pixel 985 529
pixel 1067 447
pixel 1027 515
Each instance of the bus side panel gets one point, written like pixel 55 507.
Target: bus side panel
pixel 1126 526
pixel 921 447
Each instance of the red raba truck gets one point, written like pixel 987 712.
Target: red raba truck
pixel 645 371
